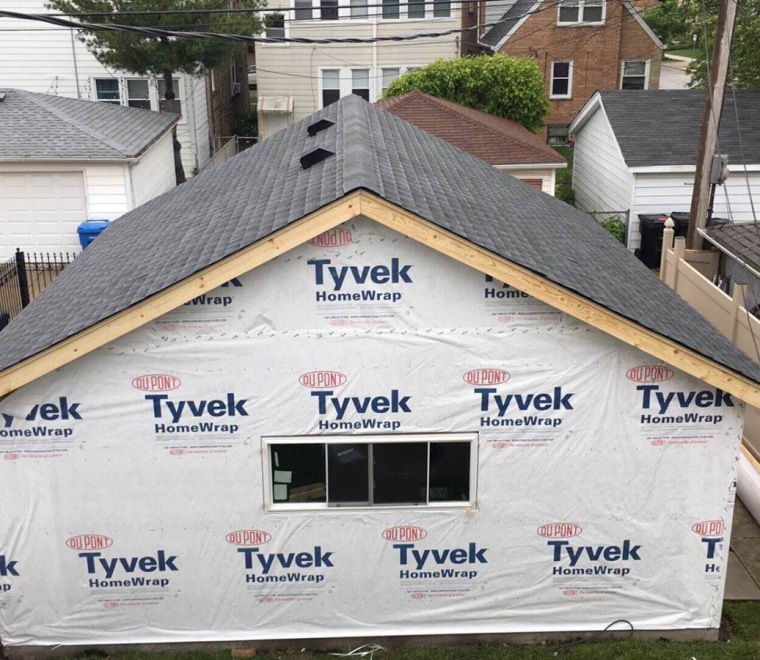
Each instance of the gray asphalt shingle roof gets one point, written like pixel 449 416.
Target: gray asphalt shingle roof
pixel 743 241
pixel 264 189
pixel 661 127
pixel 506 22
pixel 46 127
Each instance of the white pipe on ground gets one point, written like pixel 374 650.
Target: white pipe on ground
pixel 748 484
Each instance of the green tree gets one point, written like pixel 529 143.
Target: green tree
pixel 669 21
pixel 500 85
pixel 162 57
pixel 745 53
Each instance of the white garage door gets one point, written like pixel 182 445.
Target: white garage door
pixel 40 211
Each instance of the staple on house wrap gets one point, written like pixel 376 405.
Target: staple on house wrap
pixel 318 126
pixel 314 157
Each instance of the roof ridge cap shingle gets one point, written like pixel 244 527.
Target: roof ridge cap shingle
pixel 34 97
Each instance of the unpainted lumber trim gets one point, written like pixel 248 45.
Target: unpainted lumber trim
pixel 178 294
pixel 560 298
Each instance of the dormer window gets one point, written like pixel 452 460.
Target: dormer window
pixel 581 12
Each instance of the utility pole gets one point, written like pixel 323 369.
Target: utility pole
pixel 708 141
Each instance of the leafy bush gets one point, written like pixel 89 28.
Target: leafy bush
pixel 616 227
pixel 500 85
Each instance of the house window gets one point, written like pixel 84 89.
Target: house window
pixel 415 8
pixel 274 26
pixel 391 9
pixel 561 85
pixel 328 10
pixel 359 9
pixel 441 8
pixel 330 86
pixel 303 10
pixel 356 471
pixel 163 104
pixel 634 75
pixel 557 135
pixel 580 11
pixel 388 76
pixel 107 90
pixel 138 94
pixel 360 83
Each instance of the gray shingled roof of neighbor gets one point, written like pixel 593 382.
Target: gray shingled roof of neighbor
pixel 265 188
pixel 510 18
pixel 46 127
pixel 743 241
pixel 661 127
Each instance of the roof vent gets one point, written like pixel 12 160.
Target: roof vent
pixel 2 98
pixel 314 157
pixel 318 126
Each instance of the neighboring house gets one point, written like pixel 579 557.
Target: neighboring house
pixel 295 80
pixel 740 262
pixel 228 97
pixel 581 46
pixel 636 151
pixel 503 143
pixel 356 383
pixel 51 60
pixel 63 161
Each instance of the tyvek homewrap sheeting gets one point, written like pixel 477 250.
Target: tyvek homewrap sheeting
pixel 134 481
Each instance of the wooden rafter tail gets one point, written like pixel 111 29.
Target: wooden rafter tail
pixel 560 298
pixel 178 294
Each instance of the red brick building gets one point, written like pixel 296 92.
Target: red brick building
pixel 581 46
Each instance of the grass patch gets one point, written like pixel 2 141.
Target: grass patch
pixel 742 621
pixel 683 52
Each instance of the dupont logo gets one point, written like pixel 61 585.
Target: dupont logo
pixel 486 377
pixel 332 238
pixel 650 373
pixel 708 528
pixel 404 533
pixel 89 542
pixel 559 530
pixel 317 380
pixel 156 383
pixel 246 537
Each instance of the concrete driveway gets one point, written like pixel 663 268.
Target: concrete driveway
pixel 673 72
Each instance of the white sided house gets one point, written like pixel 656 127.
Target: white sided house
pixel 636 151
pixel 63 161
pixel 50 60
pixel 295 80
pixel 314 392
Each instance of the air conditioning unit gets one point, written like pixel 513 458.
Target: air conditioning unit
pixel 236 88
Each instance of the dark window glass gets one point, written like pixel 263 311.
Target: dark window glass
pixel 138 95
pixel 328 10
pixel 449 472
pixel 568 11
pixel 416 8
pixel 441 8
pixel 163 105
pixel 275 25
pixel 330 96
pixel 348 467
pixel 400 473
pixel 298 473
pixel 592 13
pixel 303 10
pixel 107 90
pixel 391 8
pixel 359 9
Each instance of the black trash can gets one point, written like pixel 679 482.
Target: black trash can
pixel 651 226
pixel 681 221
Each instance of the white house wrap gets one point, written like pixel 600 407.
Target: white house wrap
pixel 138 490
pixel 356 383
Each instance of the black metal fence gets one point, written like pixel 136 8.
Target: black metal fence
pixel 24 276
pixel 615 222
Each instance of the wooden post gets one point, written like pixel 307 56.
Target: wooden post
pixel 737 302
pixel 667 245
pixel 708 141
pixel 679 252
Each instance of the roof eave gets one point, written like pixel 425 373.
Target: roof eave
pixel 588 110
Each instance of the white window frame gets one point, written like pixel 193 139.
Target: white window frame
pixel 288 15
pixel 581 8
pixel 569 94
pixel 374 14
pixel 153 94
pixel 646 71
pixel 346 79
pixel 402 68
pixel 271 505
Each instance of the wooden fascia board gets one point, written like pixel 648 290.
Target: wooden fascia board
pixel 176 295
pixel 552 294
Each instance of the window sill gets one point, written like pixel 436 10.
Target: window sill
pixel 388 508
pixel 582 24
pixel 560 98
